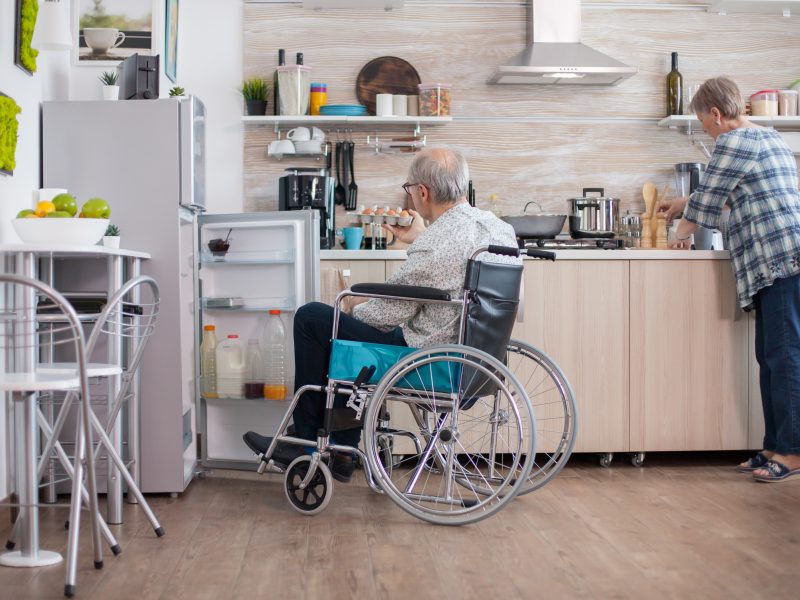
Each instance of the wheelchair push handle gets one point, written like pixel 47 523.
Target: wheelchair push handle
pixel 511 251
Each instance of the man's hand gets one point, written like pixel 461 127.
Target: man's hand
pixel 408 234
pixel 673 207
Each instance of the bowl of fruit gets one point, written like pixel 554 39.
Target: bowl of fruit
pixel 56 222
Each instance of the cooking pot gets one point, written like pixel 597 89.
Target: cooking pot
pixel 537 226
pixel 594 216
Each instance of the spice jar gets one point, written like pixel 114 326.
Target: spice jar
pixel 434 99
pixel 319 97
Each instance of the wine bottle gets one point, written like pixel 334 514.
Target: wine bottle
pixel 674 89
pixel 276 106
pixel 299 58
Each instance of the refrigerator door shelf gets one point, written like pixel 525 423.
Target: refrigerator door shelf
pixel 281 257
pixel 250 304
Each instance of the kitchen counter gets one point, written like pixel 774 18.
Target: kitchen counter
pixel 630 254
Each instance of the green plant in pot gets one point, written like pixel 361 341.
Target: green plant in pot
pixel 255 91
pixel 111 237
pixel 177 91
pixel 110 87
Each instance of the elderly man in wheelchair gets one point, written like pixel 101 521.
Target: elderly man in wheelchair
pixel 423 367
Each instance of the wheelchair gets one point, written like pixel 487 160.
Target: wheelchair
pixel 450 432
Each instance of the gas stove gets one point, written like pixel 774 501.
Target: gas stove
pixel 570 244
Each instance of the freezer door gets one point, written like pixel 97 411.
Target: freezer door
pixel 193 153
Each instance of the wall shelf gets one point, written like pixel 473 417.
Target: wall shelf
pixel 293 121
pixel 690 123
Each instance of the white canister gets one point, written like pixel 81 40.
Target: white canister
pixel 383 105
pixel 231 366
pixel 399 105
pixel 412 106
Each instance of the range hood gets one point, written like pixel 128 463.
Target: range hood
pixel 555 54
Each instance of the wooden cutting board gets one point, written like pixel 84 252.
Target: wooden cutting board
pixel 385 75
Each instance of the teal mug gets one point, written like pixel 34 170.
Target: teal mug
pixel 352 237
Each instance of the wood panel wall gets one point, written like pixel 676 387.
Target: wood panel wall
pixel 510 153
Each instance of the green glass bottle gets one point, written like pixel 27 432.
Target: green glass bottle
pixel 674 89
pixel 276 105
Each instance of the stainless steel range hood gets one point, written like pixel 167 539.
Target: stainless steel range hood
pixel 555 54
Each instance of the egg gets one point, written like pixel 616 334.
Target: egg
pixel 404 213
pixel 379 212
pixel 366 211
pixel 392 212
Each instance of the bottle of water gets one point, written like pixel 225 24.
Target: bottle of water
pixel 208 362
pixel 273 344
pixel 254 375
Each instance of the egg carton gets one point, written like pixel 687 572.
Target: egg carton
pixel 380 219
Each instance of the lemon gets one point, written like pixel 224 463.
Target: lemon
pixel 44 207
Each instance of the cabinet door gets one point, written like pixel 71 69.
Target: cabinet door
pixel 577 313
pixel 756 422
pixel 689 357
pixel 354 271
pixel 392 266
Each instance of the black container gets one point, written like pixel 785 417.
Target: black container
pixel 256 108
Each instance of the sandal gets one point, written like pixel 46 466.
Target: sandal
pixel 756 462
pixel 777 472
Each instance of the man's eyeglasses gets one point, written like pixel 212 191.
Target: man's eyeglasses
pixel 407 185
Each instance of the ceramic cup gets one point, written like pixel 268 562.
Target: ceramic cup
pixel 102 39
pixel 299 134
pixel 399 105
pixel 352 237
pixel 309 147
pixel 317 134
pixel 412 109
pixel 383 105
pixel 281 147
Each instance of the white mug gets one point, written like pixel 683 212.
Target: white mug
pixel 383 105
pixel 280 147
pixel 399 105
pixel 317 134
pixel 299 134
pixel 102 39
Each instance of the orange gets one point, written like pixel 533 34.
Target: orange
pixel 44 207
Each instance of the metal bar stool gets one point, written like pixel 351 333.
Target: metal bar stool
pixel 20 334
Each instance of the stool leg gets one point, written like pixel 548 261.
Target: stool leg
pixel 94 508
pixel 75 513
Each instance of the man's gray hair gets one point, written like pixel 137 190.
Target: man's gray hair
pixel 719 92
pixel 444 172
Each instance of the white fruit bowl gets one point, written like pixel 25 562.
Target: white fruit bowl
pixel 74 232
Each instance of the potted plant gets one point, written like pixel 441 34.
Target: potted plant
pixel 110 87
pixel 177 92
pixel 111 237
pixel 255 91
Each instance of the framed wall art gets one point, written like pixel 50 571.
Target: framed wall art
pixel 109 31
pixel 8 134
pixel 24 55
pixel 171 40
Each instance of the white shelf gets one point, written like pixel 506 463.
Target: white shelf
pixel 240 304
pixel 323 120
pixel 772 7
pixel 279 257
pixel 691 123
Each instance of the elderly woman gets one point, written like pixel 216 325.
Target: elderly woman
pixel 753 171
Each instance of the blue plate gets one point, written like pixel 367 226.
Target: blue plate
pixel 346 110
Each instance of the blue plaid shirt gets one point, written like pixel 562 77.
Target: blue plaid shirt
pixel 754 172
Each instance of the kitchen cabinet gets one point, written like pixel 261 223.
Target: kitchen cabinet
pixel 755 428
pixel 689 357
pixel 354 271
pixel 577 312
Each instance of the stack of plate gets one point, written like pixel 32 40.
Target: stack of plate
pixel 343 110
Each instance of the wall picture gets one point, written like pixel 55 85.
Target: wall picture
pixel 24 55
pixel 171 40
pixel 112 30
pixel 8 134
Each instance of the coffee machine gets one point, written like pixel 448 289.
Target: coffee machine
pixel 312 189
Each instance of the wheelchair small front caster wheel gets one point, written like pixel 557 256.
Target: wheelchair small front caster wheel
pixel 605 460
pixel 316 495
pixel 637 459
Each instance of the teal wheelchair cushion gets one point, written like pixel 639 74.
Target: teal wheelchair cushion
pixel 348 357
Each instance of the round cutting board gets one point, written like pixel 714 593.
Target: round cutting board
pixel 385 75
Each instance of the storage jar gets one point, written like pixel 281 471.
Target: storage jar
pixel 787 103
pixel 294 89
pixel 434 99
pixel 764 103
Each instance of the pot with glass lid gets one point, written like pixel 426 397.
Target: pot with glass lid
pixel 593 216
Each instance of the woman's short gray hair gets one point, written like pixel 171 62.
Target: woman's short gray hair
pixel 444 172
pixel 719 92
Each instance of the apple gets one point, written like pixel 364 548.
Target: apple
pixel 66 203
pixel 58 214
pixel 96 208
pixel 24 214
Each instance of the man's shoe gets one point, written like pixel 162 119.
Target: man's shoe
pixel 284 453
pixel 342 467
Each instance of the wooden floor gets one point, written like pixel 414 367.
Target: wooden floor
pixel 678 528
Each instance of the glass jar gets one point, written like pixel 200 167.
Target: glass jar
pixel 764 103
pixel 434 99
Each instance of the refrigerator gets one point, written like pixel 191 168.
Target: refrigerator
pixel 147 159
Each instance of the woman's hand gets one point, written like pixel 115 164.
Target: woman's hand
pixel 408 234
pixel 677 244
pixel 672 208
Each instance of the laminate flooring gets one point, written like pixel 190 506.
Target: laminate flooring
pixel 681 527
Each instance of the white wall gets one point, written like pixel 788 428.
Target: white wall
pixel 16 192
pixel 209 67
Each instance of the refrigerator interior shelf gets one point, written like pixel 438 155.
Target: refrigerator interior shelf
pixel 281 257
pixel 249 304
pixel 229 398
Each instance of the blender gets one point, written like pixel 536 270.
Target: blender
pixel 687 179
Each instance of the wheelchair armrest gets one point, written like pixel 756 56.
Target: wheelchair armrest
pixel 412 292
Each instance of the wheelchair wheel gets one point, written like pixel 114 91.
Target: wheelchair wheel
pixel 316 495
pixel 553 404
pixel 471 414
